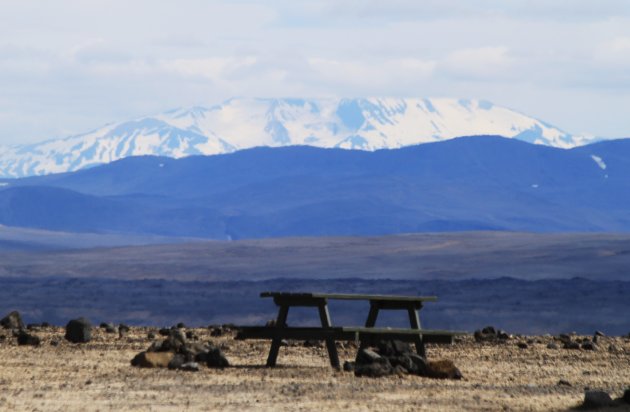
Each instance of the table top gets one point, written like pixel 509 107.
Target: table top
pixel 348 296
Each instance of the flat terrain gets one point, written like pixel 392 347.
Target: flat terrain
pixel 98 376
pixel 444 256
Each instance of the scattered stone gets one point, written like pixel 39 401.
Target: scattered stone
pixel 564 338
pixel 530 341
pixel 28 339
pixel 152 359
pixel 563 382
pixel 503 335
pixel 589 346
pixel 522 345
pixel 490 334
pixel 108 327
pixel 284 342
pixel 216 359
pixel 571 345
pixel 79 331
pixel 164 331
pixel 150 335
pixel 552 345
pixel 348 366
pixel 596 399
pixel 12 321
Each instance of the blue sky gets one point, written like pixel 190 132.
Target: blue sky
pixel 71 65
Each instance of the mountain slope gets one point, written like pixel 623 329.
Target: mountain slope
pixel 366 124
pixel 474 183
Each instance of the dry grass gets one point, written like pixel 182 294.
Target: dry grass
pixel 98 376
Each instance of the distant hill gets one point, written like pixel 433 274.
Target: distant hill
pixel 236 124
pixel 472 183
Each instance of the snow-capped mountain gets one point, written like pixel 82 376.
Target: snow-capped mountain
pixel 366 124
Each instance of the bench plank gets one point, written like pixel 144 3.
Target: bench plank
pixel 346 333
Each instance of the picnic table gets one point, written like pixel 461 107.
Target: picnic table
pixel 329 333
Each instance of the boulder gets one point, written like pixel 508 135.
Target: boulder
pixel 571 345
pixel 12 321
pixel 190 367
pixel 378 368
pixel 79 331
pixel 589 346
pixel 152 359
pixel 216 359
pixel 28 339
pixel 522 345
pixel 177 361
pixel 596 399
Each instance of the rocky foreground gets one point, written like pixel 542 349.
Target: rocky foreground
pixel 115 367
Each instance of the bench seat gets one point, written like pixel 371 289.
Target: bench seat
pixel 362 334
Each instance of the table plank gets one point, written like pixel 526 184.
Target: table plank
pixel 348 296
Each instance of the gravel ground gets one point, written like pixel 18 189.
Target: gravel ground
pixel 502 376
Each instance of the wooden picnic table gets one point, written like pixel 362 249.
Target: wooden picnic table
pixel 328 333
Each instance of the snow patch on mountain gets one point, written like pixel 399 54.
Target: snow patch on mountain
pixel 365 124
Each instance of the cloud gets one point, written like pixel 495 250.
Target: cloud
pixel 482 63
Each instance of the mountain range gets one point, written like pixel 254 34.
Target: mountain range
pixel 365 123
pixel 470 183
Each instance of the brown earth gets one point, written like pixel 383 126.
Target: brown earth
pixel 98 376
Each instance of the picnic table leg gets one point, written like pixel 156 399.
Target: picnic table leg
pixel 324 316
pixel 371 319
pixel 414 320
pixel 281 322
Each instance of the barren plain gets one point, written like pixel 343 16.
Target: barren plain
pixel 497 376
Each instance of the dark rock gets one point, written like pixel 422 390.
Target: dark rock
pixel 180 325
pixel 596 399
pixel 389 348
pixel 564 338
pixel 216 359
pixel 367 356
pixel 12 321
pixel 552 345
pixel 54 342
pixel 216 332
pixel 502 335
pixel 164 331
pixel 177 361
pixel 404 361
pixel 190 367
pixel 563 382
pixel 626 396
pixel 489 330
pixel 150 335
pixel 589 346
pixel 599 333
pixel 28 339
pixel 190 335
pixel 378 368
pixel 108 327
pixel 348 366
pixel 522 345
pixel 79 331
pixel 530 341
pixel 173 343
pixel 571 345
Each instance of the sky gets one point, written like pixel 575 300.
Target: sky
pixel 70 66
